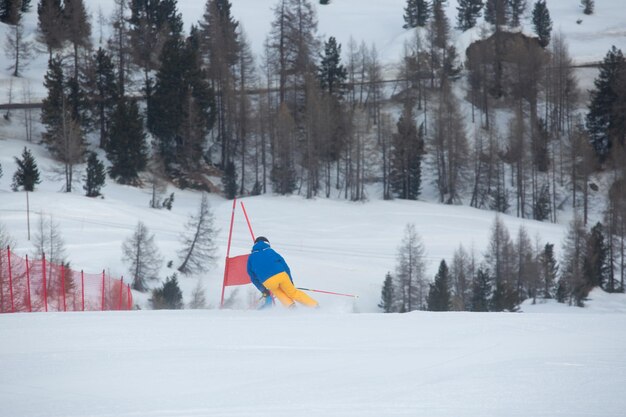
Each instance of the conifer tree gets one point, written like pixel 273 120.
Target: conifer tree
pixel 331 72
pixel 604 121
pixel 229 181
pixel 11 10
pixel 496 12
pixel 542 23
pixel 481 291
pixel 142 256
pixel 127 148
pixel 406 159
pixel 50 24
pixel 588 6
pixel 151 24
pixel 548 272
pixel 198 252
pixel 501 261
pixel 27 173
pixel 595 264
pixel 387 296
pixel 573 286
pixel 95 176
pixel 169 296
pixel 468 12
pixel 416 13
pixel 517 9
pixel 77 29
pixel 181 108
pixel 439 294
pixel 53 105
pixel 103 94
pixel 410 283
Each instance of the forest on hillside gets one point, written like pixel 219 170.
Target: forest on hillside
pixel 313 117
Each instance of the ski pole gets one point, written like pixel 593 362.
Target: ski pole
pixel 329 292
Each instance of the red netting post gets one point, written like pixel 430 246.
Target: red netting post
pixel 103 290
pixel 119 303
pixel 10 280
pixel 129 295
pixel 45 289
pixel 63 285
pixel 30 305
pixel 82 286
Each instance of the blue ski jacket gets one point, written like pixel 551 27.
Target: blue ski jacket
pixel 263 263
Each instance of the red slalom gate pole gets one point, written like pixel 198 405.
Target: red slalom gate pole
pixel 230 236
pixel 329 292
pixel 247 220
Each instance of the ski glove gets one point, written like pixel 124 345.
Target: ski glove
pixel 266 293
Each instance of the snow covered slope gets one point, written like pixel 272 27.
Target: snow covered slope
pixel 310 364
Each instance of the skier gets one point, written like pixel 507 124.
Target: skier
pixel 270 273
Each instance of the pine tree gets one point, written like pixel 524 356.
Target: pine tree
pixel 416 13
pixel 198 252
pixel 77 28
pixel 127 149
pixel 50 24
pixel 501 261
pixel 406 159
pixel 595 264
pixel 410 283
pixel 229 181
pixel 588 6
pixel 95 176
pixel 53 105
pixel 332 74
pixel 496 12
pixel 181 108
pixel 103 94
pixel 573 285
pixel 604 121
pixel 481 291
pixel 151 24
pixel 543 205
pixel 11 11
pixel 142 256
pixel 198 297
pixel 169 296
pixel 387 295
pixel 27 174
pixel 549 272
pixel 439 294
pixel 542 23
pixel 517 9
pixel 468 12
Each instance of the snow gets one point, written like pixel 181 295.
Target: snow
pixel 550 360
pixel 311 363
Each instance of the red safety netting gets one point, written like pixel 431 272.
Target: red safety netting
pixel 37 285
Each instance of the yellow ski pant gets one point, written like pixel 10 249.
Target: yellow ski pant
pixel 281 286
